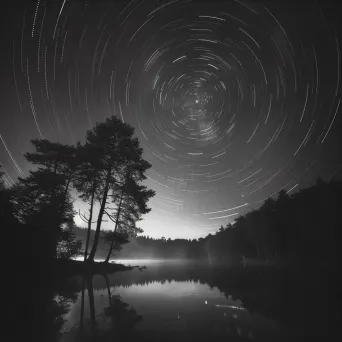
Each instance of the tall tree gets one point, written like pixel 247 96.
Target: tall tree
pixel 116 151
pixel 87 184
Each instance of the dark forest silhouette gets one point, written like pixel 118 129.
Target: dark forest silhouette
pixel 302 227
pixel 107 169
pixel 300 230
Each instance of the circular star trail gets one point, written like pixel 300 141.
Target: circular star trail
pixel 232 101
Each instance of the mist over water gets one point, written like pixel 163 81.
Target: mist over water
pixel 141 262
pixel 188 301
pixel 170 301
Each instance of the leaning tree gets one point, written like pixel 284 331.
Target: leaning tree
pixel 131 204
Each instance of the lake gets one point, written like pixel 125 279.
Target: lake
pixel 184 301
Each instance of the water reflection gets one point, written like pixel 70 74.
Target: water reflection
pixel 192 303
pixel 99 318
pixel 187 308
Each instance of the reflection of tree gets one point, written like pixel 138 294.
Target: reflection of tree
pixel 82 302
pixel 52 302
pixel 58 307
pixel 122 316
pixel 268 291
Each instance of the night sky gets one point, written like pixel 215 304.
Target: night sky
pixel 232 101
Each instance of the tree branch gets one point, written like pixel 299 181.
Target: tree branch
pixel 110 216
pixel 84 218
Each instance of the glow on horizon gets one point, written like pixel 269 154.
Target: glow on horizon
pixel 158 223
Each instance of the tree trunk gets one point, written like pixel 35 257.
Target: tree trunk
pixel 89 221
pixel 66 191
pixel 108 289
pixel 116 226
pixel 67 187
pixel 99 219
pixel 91 298
pixel 82 302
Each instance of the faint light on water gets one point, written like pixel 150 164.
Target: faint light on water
pixel 125 261
pixel 229 306
pixel 205 302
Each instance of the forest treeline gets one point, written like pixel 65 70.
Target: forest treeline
pixel 299 227
pixel 106 170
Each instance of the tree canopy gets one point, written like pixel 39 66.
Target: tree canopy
pixel 108 166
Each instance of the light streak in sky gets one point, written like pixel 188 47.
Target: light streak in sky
pixel 15 78
pixel 332 121
pixel 136 32
pixel 225 95
pixel 40 40
pixel 254 173
pixel 9 177
pixel 269 109
pixel 292 188
pixel 45 74
pixel 121 112
pixel 313 121
pixel 22 41
pixel 338 67
pixel 247 34
pixel 220 217
pixel 153 180
pixel 306 100
pixel 32 104
pixel 34 18
pixel 222 211
pixel 59 14
pixel 17 168
pixel 253 133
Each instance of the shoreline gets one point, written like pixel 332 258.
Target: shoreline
pixel 66 268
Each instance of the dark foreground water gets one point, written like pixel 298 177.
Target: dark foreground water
pixel 172 301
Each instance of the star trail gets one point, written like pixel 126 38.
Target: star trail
pixel 232 101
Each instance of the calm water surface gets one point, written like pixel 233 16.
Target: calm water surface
pixel 176 302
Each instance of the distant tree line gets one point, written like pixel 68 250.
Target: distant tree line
pixel 106 170
pixel 298 227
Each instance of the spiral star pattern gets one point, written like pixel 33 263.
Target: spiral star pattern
pixel 232 101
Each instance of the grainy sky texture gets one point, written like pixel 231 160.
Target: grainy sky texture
pixel 232 101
